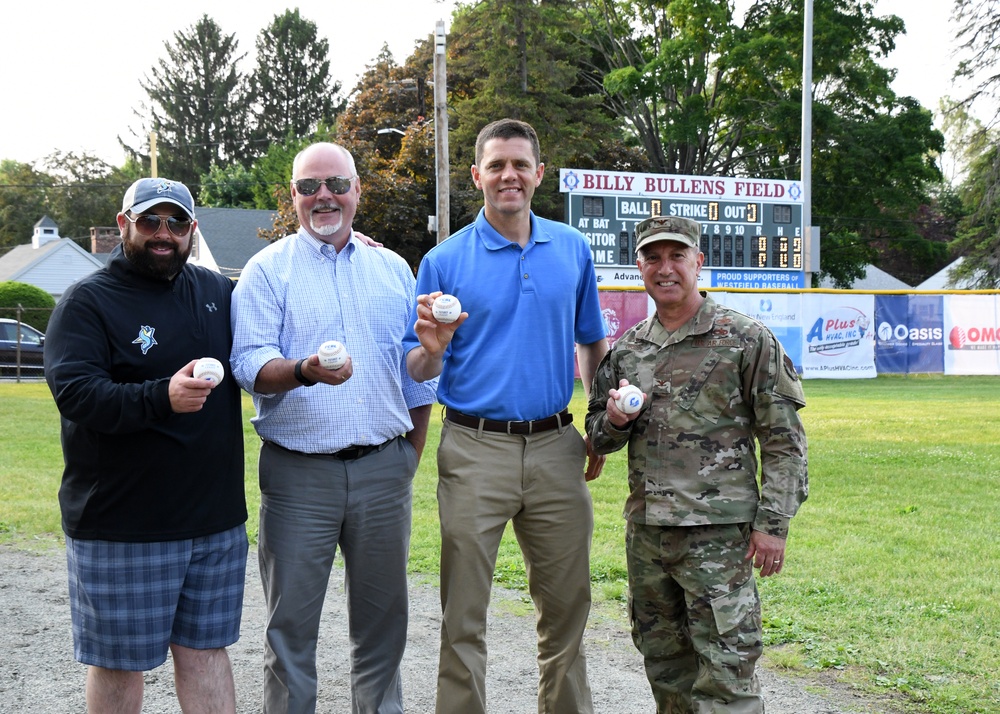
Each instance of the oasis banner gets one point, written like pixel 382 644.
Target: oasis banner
pixel 909 334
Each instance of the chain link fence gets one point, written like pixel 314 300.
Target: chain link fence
pixel 22 340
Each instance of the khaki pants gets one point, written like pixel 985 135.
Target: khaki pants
pixel 537 483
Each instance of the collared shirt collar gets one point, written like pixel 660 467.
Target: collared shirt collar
pixel 317 245
pixel 701 323
pixel 492 239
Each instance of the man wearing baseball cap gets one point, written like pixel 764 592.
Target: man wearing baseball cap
pixel 148 192
pixel 152 495
pixel 718 385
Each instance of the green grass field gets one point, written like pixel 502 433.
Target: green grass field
pixel 892 582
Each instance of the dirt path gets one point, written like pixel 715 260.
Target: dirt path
pixel 39 676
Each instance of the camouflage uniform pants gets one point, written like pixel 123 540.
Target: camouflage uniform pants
pixel 696 616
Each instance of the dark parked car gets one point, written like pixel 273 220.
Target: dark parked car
pixel 31 347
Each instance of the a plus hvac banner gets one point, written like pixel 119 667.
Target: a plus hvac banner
pixel 781 312
pixel 909 334
pixel 972 335
pixel 839 336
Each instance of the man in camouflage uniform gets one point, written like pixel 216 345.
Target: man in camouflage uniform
pixel 717 384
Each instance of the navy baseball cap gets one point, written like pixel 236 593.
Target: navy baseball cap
pixel 148 192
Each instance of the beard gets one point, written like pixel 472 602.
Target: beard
pixel 326 229
pixel 158 267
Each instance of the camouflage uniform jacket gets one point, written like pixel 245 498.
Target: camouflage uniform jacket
pixel 715 388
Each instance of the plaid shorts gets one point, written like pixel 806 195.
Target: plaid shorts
pixel 130 601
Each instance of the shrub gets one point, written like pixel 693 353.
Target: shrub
pixel 36 302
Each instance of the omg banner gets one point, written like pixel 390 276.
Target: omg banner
pixel 972 334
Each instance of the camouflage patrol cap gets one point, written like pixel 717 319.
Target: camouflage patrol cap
pixel 682 230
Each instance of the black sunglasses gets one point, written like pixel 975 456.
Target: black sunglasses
pixel 147 224
pixel 338 185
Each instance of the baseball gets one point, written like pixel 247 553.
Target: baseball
pixel 332 355
pixel 630 399
pixel 446 308
pixel 209 368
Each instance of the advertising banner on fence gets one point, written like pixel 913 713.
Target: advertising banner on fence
pixel 622 310
pixel 839 338
pixel 909 334
pixel 781 312
pixel 853 335
pixel 972 331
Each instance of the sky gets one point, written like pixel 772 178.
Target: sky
pixel 70 72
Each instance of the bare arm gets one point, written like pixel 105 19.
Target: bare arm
pixel 589 357
pixel 278 375
pixel 420 416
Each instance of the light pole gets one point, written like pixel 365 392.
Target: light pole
pixel 811 237
pixel 441 170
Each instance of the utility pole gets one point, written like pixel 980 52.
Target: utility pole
pixel 441 164
pixel 152 154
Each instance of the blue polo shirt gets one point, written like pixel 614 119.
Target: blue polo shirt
pixel 513 358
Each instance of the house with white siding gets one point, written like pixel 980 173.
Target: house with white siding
pixel 49 262
pixel 53 263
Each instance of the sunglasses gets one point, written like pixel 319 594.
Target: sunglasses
pixel 337 185
pixel 148 224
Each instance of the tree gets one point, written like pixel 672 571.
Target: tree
pixel 291 88
pixel 705 95
pixel 27 303
pixel 86 192
pixel 978 241
pixel 23 202
pixel 393 145
pixel 197 104
pixel 872 176
pixel 520 59
pixel 979 42
pixel 286 221
pixel 227 187
pixel 913 260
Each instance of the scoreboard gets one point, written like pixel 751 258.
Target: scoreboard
pixel 748 226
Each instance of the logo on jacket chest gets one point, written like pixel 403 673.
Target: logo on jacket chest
pixel 145 339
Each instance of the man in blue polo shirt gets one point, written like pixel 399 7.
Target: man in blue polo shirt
pixel 508 449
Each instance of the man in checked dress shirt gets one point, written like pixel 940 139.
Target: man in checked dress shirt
pixel 340 446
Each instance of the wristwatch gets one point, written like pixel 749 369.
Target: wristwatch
pixel 301 377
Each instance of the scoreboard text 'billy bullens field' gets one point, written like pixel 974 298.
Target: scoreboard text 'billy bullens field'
pixel 751 229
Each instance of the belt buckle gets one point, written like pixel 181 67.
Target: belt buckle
pixel 513 431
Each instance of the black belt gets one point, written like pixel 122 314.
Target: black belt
pixel 355 452
pixel 510 427
pixel 349 454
